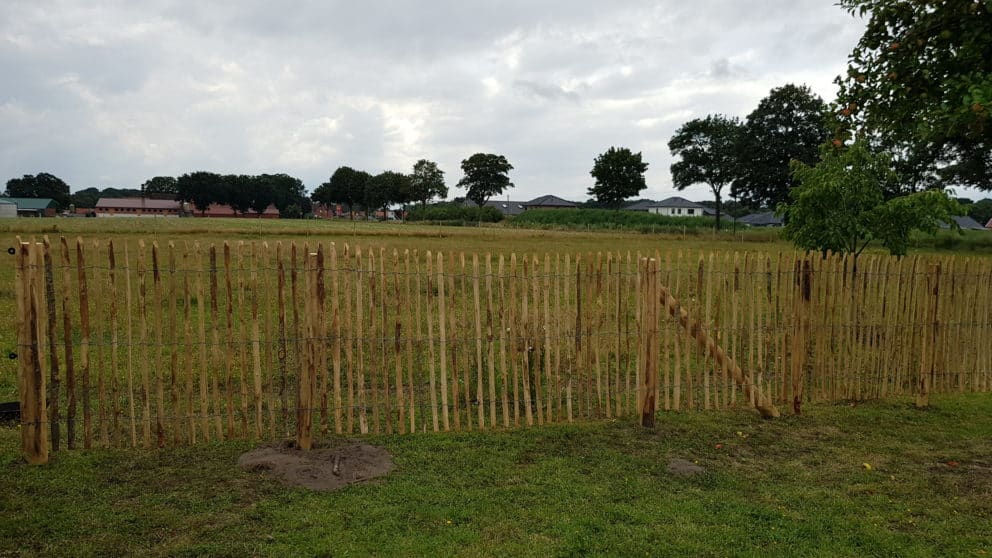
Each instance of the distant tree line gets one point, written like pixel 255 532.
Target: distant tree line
pixel 485 175
pixel 244 193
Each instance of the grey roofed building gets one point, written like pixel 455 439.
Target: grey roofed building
pixel 965 222
pixel 679 207
pixel 508 208
pixel 34 207
pixel 549 202
pixel 643 205
pixel 766 219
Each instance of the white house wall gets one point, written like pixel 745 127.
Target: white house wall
pixel 676 211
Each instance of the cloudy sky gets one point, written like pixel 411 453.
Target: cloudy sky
pixel 110 93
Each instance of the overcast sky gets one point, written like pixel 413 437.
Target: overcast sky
pixel 104 93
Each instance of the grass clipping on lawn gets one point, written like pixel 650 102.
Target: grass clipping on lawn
pixel 319 469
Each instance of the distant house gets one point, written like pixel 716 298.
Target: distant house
pixel 33 207
pixel 549 202
pixel 643 205
pixel 989 225
pixel 508 208
pixel 679 207
pixel 221 210
pixel 766 219
pixel 965 222
pixel 137 207
pixel 7 209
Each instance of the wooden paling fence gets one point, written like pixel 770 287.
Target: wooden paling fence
pixel 135 344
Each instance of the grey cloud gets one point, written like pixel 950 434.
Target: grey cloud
pixel 169 86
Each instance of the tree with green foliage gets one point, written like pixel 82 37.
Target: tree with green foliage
pixel 386 188
pixel 160 185
pixel 707 148
pixel 788 125
pixel 41 185
pixel 840 206
pixel 919 86
pixel 85 198
pixel 261 194
pixel 427 182
pixel 981 211
pixel 238 192
pixel 286 191
pixel 346 186
pixel 201 189
pixel 486 175
pixel 619 175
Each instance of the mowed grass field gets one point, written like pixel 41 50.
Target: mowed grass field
pixel 796 486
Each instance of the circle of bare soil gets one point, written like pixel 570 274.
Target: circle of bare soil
pixel 320 469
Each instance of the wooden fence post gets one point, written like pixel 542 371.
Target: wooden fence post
pixel 31 379
pixel 931 333
pixel 308 372
pixel 649 340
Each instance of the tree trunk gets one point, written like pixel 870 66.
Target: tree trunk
pixel 716 194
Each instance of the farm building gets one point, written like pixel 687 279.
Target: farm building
pixel 137 207
pixel 549 202
pixel 989 225
pixel 33 207
pixel 766 219
pixel 8 209
pixel 679 207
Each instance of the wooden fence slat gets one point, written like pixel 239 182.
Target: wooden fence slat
pixel 84 341
pixel 479 390
pixel 143 357
pixel 187 348
pixel 70 376
pixel 431 358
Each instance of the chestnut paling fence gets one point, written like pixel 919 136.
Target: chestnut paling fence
pixel 145 345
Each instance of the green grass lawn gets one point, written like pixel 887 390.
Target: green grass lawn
pixel 790 487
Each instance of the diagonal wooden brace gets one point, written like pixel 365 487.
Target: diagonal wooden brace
pixel 706 343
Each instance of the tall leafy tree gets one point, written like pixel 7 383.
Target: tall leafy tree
pixel 386 188
pixel 919 85
pixel 201 189
pixel 85 198
pixel 261 194
pixel 840 205
pixel 619 175
pixel 237 191
pixel 486 175
pixel 160 185
pixel 346 186
pixel 981 211
pixel 286 191
pixel 787 125
pixel 41 185
pixel 427 182
pixel 707 148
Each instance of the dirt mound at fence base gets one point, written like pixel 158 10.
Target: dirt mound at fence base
pixel 319 469
pixel 684 468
